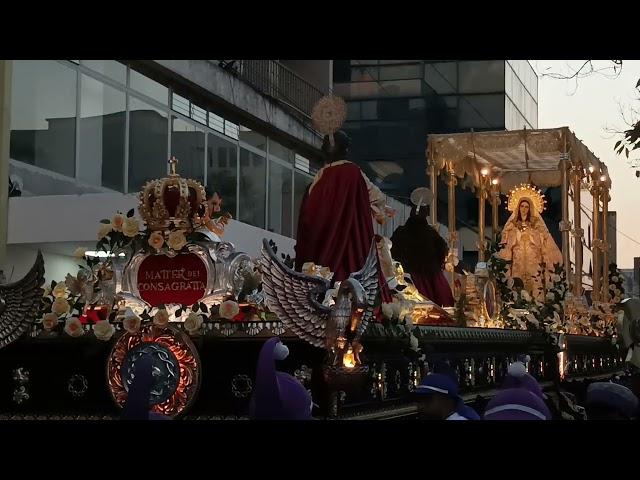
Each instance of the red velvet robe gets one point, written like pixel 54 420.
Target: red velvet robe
pixel 335 227
pixel 434 287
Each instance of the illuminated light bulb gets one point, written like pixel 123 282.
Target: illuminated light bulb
pixel 484 171
pixel 494 181
pixel 349 359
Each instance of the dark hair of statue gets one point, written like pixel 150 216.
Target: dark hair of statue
pixel 340 148
pixel 519 217
pixel 418 246
pixel 210 192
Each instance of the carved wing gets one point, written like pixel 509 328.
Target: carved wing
pixel 293 297
pixel 368 278
pixel 20 302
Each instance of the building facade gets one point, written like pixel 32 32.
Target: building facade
pixel 87 134
pixel 394 104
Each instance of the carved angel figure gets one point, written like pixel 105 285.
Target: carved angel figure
pixel 297 300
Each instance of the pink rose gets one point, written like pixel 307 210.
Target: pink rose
pixel 229 309
pixel 50 321
pixel 161 318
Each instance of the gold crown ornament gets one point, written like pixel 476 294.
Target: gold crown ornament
pixel 173 200
pixel 528 192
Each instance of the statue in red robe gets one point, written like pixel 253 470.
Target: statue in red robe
pixel 422 252
pixel 335 227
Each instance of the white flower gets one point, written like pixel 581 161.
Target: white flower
pixel 156 240
pixel 555 277
pixel 105 229
pixel 193 323
pixel 614 278
pixel 60 306
pixel 510 282
pixel 49 321
pixel 103 330
pixel 176 240
pixel 525 296
pixel 60 290
pixel 79 252
pixel 73 327
pixel 406 309
pixel 550 296
pixel 397 308
pixel 131 227
pixel 413 343
pixel 131 321
pixel 387 310
pixel 117 221
pixel 229 309
pixel 161 318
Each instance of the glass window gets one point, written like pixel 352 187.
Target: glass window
pixel 353 111
pixel 187 145
pixel 109 68
pixel 252 188
pixel 148 139
pixel 370 110
pixel 442 77
pixel 198 114
pixel 402 88
pixel 302 181
pixel 148 87
pixel 216 122
pixel 102 134
pixel 281 152
pixel 252 138
pixel 481 111
pixel 43 115
pixel 400 72
pixel 481 76
pixel 231 129
pixel 364 74
pixel 280 199
pixel 180 104
pixel 222 173
pixel 341 71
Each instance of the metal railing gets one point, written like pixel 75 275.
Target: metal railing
pixel 278 82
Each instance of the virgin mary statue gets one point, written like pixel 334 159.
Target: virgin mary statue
pixel 527 242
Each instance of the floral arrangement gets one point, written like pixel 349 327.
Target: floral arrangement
pixel 519 309
pixel 616 284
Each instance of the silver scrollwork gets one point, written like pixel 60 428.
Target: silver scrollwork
pixel 165 370
pixel 77 385
pixel 241 386
pixel 303 374
pixel 21 376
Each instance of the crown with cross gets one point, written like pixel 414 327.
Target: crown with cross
pixel 173 200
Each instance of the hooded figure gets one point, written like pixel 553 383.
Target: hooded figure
pixel 137 406
pixel 610 401
pixel 277 395
pixel 439 398
pixel 517 404
pixel 422 252
pixel 517 377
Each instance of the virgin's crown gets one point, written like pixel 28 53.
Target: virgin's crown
pixel 173 200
